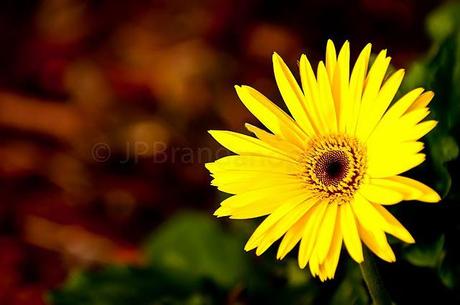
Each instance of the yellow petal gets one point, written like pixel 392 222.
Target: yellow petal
pixel 292 95
pixel 395 140
pixel 312 96
pixel 340 85
pixel 400 107
pixel 420 130
pixel 374 112
pixel 257 203
pixel 273 191
pixel 253 163
pixel 393 226
pixel 415 116
pixel 314 265
pixel 422 101
pixel 377 242
pixel 331 59
pixel 240 182
pixel 332 259
pixel 276 120
pixel 425 193
pixel 275 141
pixel 310 234
pixel 254 210
pixel 372 87
pixel 380 194
pixel 325 233
pixel 350 232
pixel 356 88
pixel 374 217
pixel 365 214
pixel 245 145
pixel 407 191
pixel 375 77
pixel 286 208
pixel 396 166
pixel 293 235
pixel 327 106
pixel 277 230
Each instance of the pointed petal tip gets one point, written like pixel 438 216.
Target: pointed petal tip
pixel 276 57
pixel 260 251
pixel 209 166
pixel 431 197
pixel 281 254
pixel 239 88
pixel 358 259
pixel 249 246
pixel 222 212
pixel 367 48
pixel 302 264
pixel 217 214
pixel 345 47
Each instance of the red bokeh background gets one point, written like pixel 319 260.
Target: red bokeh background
pixel 102 103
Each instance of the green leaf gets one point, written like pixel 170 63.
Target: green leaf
pixel 351 289
pixel 443 148
pixel 425 255
pixel 121 285
pixel 447 273
pixel 296 277
pixel 191 258
pixel 443 21
pixel 194 245
pixel 417 75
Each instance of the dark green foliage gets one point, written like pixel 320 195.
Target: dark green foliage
pixel 119 285
pixel 193 260
pixel 195 245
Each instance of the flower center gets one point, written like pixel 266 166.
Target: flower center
pixel 331 167
pixel 334 167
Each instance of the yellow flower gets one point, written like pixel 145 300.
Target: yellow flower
pixel 324 174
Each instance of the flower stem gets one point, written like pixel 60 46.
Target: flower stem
pixel 373 280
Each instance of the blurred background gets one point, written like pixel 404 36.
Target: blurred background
pixel 104 112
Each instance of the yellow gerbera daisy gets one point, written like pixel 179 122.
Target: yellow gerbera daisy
pixel 324 175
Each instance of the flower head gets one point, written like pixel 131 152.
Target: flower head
pixel 323 175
